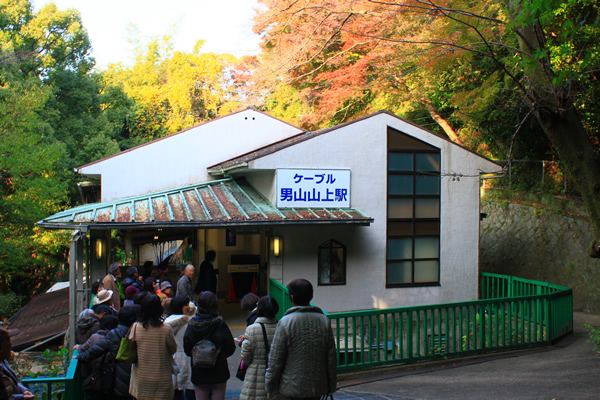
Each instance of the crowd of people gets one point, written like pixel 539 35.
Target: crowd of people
pixel 294 358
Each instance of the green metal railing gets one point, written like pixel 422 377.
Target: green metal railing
pixel 68 387
pixel 280 294
pixel 513 313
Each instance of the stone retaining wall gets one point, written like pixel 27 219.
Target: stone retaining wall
pixel 534 242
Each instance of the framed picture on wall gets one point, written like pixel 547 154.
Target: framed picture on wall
pixel 230 238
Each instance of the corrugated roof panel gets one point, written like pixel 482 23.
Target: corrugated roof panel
pixel 142 213
pixel 196 208
pixel 246 203
pixel 123 213
pixel 161 213
pixel 214 204
pixel 231 205
pixel 177 207
pixel 103 214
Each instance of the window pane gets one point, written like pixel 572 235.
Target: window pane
pixel 427 208
pixel 399 229
pixel 400 184
pixel 331 264
pixel 399 272
pixel 400 161
pixel 399 248
pixel 427 162
pixel 426 228
pixel 400 208
pixel 427 184
pixel 427 271
pixel 427 247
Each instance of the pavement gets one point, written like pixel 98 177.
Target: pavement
pixel 568 369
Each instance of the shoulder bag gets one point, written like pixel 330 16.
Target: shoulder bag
pixel 128 349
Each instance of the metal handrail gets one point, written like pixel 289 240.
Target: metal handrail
pixel 512 313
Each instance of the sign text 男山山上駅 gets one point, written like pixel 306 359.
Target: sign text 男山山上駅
pixel 314 188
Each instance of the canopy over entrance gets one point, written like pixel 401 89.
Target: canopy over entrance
pixel 223 203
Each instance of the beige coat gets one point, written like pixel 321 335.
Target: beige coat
pixel 255 355
pixel 109 283
pixel 151 375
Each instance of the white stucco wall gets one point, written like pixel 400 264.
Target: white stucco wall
pixel 182 159
pixel 362 147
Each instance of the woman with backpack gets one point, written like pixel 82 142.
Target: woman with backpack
pixel 255 348
pixel 208 328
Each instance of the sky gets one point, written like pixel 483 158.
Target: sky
pixel 226 25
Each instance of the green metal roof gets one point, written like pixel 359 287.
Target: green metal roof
pixel 220 203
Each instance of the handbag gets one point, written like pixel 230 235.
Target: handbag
pixel 128 349
pixel 241 371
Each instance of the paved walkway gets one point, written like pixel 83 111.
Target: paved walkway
pixel 567 370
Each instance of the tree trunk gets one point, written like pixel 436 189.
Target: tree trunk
pixel 554 109
pixel 443 123
pixel 581 158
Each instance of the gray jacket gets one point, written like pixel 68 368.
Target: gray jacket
pixel 302 361
pixel 185 288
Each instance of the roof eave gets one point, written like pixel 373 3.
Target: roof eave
pixel 200 224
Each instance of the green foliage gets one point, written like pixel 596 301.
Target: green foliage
pixel 9 304
pixel 594 337
pixel 174 90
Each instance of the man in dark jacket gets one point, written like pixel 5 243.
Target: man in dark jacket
pixel 132 279
pixel 89 322
pixel 207 276
pixel 110 345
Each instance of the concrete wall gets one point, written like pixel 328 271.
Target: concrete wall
pixel 362 147
pixel 182 159
pixel 535 242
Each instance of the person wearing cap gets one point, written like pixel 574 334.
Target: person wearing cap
pixel 130 292
pixel 104 297
pixel 133 278
pixel 10 387
pixel 111 282
pixel 166 288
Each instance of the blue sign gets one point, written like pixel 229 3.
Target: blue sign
pixel 313 188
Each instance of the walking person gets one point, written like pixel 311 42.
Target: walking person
pixel 302 360
pixel 207 324
pixel 255 349
pixel 151 374
pixel 207 275
pixel 184 285
pixel 182 311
